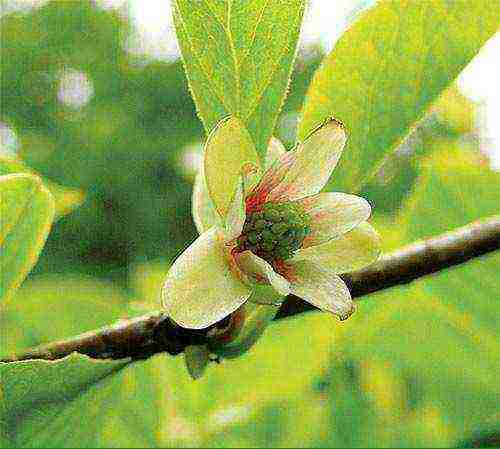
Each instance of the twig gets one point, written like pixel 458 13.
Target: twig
pixel 147 335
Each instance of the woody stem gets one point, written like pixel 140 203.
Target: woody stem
pixel 147 335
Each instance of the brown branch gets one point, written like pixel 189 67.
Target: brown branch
pixel 147 335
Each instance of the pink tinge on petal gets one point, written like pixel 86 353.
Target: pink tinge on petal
pixel 333 214
pixel 309 166
pixel 270 180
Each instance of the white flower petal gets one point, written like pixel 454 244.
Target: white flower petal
pixel 200 288
pixel 275 150
pixel 305 170
pixel 322 288
pixel 204 214
pixel 260 271
pixel 332 215
pixel 356 249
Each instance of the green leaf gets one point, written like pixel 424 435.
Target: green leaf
pixel 27 384
pixel 238 57
pixel 66 199
pixel 26 215
pixel 387 69
pixel 39 398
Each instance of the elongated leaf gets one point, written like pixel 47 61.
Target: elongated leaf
pixel 387 69
pixel 66 198
pixel 238 56
pixel 26 215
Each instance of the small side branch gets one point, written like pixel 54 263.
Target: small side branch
pixel 147 335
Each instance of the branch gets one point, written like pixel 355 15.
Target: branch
pixel 147 335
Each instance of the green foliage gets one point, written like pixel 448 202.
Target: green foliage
pixel 35 393
pixel 459 180
pixel 415 366
pixel 124 147
pixel 449 119
pixel 238 57
pixel 26 215
pixel 387 69
pixel 66 199
pixel 42 385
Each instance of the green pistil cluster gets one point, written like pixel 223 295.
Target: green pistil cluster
pixel 275 232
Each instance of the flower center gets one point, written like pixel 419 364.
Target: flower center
pixel 275 231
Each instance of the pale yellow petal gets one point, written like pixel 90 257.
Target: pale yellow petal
pixel 236 215
pixel 200 288
pixel 275 150
pixel 322 288
pixel 309 167
pixel 229 151
pixel 356 249
pixel 333 214
pixel 204 214
pixel 258 270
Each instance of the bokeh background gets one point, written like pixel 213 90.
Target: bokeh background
pixel 93 96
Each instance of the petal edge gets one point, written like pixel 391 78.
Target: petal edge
pixel 322 288
pixel 200 288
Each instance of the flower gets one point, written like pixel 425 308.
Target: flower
pixel 269 227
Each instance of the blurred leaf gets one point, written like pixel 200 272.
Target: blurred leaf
pixel 146 281
pixel 36 393
pixel 456 187
pixel 26 215
pixel 387 69
pixel 28 384
pixel 238 57
pixel 455 111
pixel 66 199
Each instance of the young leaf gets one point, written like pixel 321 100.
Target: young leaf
pixel 238 57
pixel 387 69
pixel 66 199
pixel 26 215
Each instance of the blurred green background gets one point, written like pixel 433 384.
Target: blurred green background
pixel 416 366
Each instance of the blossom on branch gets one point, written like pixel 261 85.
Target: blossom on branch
pixel 269 226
